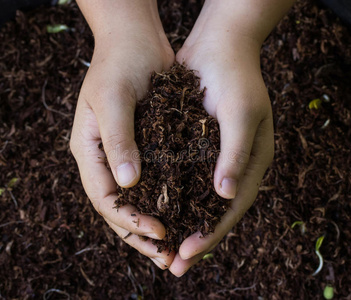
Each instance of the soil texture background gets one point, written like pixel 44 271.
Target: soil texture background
pixel 53 245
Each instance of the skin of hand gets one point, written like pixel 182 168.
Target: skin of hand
pixel 130 44
pixel 224 47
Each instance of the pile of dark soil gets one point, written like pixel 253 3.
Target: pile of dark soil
pixel 53 245
pixel 179 145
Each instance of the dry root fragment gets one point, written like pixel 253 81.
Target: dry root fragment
pixel 163 199
pixel 204 128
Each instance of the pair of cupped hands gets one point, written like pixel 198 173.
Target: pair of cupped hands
pixel 124 57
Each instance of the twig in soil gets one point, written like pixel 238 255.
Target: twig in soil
pixel 3 147
pixel 46 106
pixel 326 124
pixel 153 273
pixel 86 249
pixel 13 198
pixel 45 297
pixel 238 289
pixel 279 240
pixel 267 188
pixel 10 223
pixel 84 62
pixel 133 280
pixel 337 231
pixel 86 277
pixel 243 288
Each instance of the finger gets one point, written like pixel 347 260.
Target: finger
pixel 237 132
pixel 114 109
pixel 262 154
pixel 180 266
pixel 98 181
pixel 163 260
pixel 196 243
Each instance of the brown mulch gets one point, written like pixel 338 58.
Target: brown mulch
pixel 53 245
pixel 179 146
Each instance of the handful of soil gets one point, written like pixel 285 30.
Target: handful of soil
pixel 179 145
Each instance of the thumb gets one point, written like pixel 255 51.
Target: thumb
pixel 237 133
pixel 115 116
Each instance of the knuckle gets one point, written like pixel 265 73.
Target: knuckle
pixel 262 160
pixel 238 157
pixel 118 139
pixel 116 145
pixel 123 92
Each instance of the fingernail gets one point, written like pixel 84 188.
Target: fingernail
pixel 228 187
pixel 161 261
pixel 152 235
pixel 186 257
pixel 125 174
pixel 180 275
pixel 157 263
pixel 160 264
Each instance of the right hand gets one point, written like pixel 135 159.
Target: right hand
pixel 124 57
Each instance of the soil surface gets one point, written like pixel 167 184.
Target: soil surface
pixel 53 245
pixel 179 145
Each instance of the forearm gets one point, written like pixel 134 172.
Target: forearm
pixel 108 18
pixel 254 19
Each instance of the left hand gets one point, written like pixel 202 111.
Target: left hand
pixel 129 44
pixel 229 67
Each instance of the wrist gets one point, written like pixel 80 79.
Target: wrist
pixel 110 18
pixel 250 18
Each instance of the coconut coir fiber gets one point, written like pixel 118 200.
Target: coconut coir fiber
pixel 179 144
